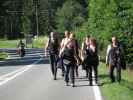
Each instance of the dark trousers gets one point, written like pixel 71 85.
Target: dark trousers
pixel 76 70
pixel 69 71
pixel 62 66
pixel 89 70
pixel 53 63
pixel 118 72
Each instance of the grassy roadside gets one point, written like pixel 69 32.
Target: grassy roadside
pixel 37 43
pixel 3 55
pixel 40 42
pixel 8 43
pixel 116 91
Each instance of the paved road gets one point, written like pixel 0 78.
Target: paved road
pixel 15 61
pixel 34 82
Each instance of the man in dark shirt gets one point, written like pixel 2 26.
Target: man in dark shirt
pixel 114 59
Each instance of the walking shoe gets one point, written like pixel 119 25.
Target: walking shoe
pixel 55 78
pixel 67 84
pixel 62 74
pixel 77 75
pixel 72 85
pixel 90 83
pixel 86 75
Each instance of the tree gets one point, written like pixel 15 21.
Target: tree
pixel 111 17
pixel 11 18
pixel 70 16
pixel 26 18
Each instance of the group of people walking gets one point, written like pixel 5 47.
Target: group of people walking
pixel 68 55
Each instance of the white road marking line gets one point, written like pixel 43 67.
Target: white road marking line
pixel 18 72
pixel 9 74
pixel 97 93
pixel 96 89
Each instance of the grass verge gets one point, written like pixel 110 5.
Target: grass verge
pixel 40 42
pixel 116 91
pixel 8 43
pixel 3 55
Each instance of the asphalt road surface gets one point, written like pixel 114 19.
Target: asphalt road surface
pixel 29 78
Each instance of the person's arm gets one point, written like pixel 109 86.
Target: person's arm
pixel 24 44
pixel 62 44
pixel 46 47
pixel 74 43
pixel 18 45
pixel 82 51
pixel 107 54
pixel 78 46
pixel 47 44
pixel 75 52
pixel 122 50
pixel 61 47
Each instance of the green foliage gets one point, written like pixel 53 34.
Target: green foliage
pixel 128 47
pixel 111 17
pixel 8 43
pixel 26 25
pixel 3 55
pixel 40 42
pixel 70 16
pixel 26 18
pixel 10 19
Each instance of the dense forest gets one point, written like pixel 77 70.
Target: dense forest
pixel 99 18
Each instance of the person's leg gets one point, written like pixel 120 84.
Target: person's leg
pixel 90 74
pixel 95 73
pixel 52 63
pixel 118 69
pixel 67 69
pixel 76 70
pixel 55 66
pixel 62 66
pixel 87 71
pixel 72 76
pixel 111 73
pixel 85 68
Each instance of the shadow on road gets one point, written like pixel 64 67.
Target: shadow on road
pixel 82 85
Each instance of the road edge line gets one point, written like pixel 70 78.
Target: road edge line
pixel 20 72
pixel 96 90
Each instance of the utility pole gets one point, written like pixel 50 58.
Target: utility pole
pixel 37 28
pixel 36 2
